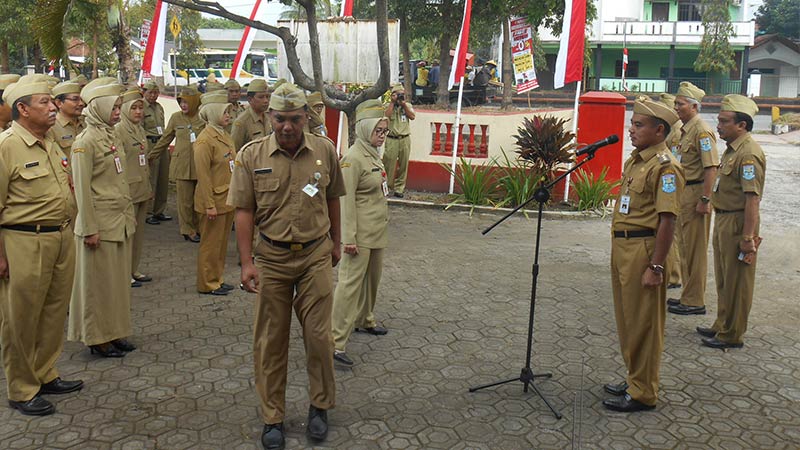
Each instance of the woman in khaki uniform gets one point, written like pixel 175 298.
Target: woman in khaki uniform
pixel 365 215
pixel 100 309
pixel 132 136
pixel 214 156
pixel 184 126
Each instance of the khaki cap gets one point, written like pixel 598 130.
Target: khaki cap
pixel 398 88
pixel 370 109
pixel 6 79
pixel 689 90
pixel 67 87
pixel 132 94
pixel 150 85
pixel 21 89
pixel 650 108
pixel 80 79
pixel 232 84
pixel 214 85
pixel 315 98
pixel 189 91
pixel 90 92
pixel 667 99
pixel 258 85
pixel 287 97
pixel 97 82
pixel 739 103
pixel 34 78
pixel 279 82
pixel 214 97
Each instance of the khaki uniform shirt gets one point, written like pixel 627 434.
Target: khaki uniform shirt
pixel 184 130
pixel 743 168
pixel 249 127
pixel 698 148
pixel 270 181
pixel 153 122
pixel 101 186
pixel 214 160
pixel 136 168
pixel 34 186
pixel 236 110
pixel 653 180
pixel 365 211
pixel 399 125
pixel 673 140
pixel 64 132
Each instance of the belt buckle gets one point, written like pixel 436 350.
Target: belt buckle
pixel 295 247
pixel 64 225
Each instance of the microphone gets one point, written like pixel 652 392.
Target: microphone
pixel 591 148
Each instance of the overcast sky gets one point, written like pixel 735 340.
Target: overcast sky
pixel 269 11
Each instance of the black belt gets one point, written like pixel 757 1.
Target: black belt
pixel 293 246
pixel 725 211
pixel 37 228
pixel 689 183
pixel 634 233
pixel 153 139
pixel 396 137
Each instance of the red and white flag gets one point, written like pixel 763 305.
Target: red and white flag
pixel 460 56
pixel 569 64
pixel 244 44
pixel 624 67
pixel 154 52
pixel 347 8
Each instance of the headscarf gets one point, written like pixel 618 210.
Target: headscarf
pixel 212 113
pixel 192 97
pixel 100 99
pixel 315 119
pixel 125 122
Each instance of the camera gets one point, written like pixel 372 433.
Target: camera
pixel 401 97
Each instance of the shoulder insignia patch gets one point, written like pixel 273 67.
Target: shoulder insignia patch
pixel 705 144
pixel 345 165
pixel 668 183
pixel 748 172
pixel 78 150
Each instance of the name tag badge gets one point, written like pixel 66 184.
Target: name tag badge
pixel 263 170
pixel 678 156
pixel 28 165
pixel 230 163
pixel 624 204
pixel 142 159
pixel 716 185
pixel 118 164
pixel 192 137
pixel 385 187
pixel 403 118
pixel 310 190
pixel 160 130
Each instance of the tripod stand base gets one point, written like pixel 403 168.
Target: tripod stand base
pixel 526 377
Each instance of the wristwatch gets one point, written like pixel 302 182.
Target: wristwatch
pixel 656 268
pixel 704 199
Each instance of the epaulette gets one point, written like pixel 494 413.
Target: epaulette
pixel 255 141
pixel 663 158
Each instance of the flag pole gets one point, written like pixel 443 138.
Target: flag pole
pixel 347 10
pixel 575 133
pixel 457 135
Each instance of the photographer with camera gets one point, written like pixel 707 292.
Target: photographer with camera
pixel 398 142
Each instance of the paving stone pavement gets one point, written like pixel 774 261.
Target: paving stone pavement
pixel 456 304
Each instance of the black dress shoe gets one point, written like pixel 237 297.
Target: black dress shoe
pixel 162 217
pixel 342 358
pixel 376 330
pixel 626 404
pixel 673 301
pixel 616 389
pixel 713 342
pixel 123 345
pixel 674 286
pixel 152 221
pixel 217 291
pixel 37 406
pixel 195 238
pixel 142 278
pixel 398 194
pixel 106 350
pixel 135 283
pixel 706 332
pixel 272 436
pixel 317 428
pixel 59 386
pixel 683 310
pixel 226 287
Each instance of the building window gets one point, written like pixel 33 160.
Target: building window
pixel 632 72
pixel 690 10
pixel 660 12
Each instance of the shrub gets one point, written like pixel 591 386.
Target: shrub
pixel 519 179
pixel 545 143
pixel 477 183
pixel 593 192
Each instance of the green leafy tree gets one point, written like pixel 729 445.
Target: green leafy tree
pixel 216 22
pixel 781 17
pixel 716 55
pixel 16 35
pixel 189 55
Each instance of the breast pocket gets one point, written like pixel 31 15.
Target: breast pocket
pixel 267 191
pixel 638 192
pixel 36 182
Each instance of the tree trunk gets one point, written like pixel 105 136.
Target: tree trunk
pixel 37 59
pixel 94 52
pixel 122 39
pixel 508 67
pixel 445 63
pixel 4 56
pixel 407 81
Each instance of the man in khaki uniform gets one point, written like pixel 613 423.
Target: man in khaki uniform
pixel 37 252
pixel 253 123
pixel 68 120
pixel 316 114
pixel 234 90
pixel 5 109
pixel 153 124
pixel 736 197
pixel 288 184
pixel 642 231
pixel 699 159
pixel 398 142
pixel 674 257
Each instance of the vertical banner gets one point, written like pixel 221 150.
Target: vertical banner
pixel 522 55
pixel 154 52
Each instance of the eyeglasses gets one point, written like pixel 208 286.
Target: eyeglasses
pixel 381 131
pixel 73 99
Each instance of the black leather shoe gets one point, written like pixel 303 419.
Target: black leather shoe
pixel 342 358
pixel 706 332
pixel 683 310
pixel 123 345
pixel 713 342
pixel 674 286
pixel 317 428
pixel 162 217
pixel 272 436
pixel 135 283
pixel 217 291
pixel 152 221
pixel 195 238
pixel 673 301
pixel 616 389
pixel 626 404
pixel 398 194
pixel 106 350
pixel 376 330
pixel 37 406
pixel 59 386
pixel 226 287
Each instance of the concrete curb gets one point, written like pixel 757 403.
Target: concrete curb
pixel 570 215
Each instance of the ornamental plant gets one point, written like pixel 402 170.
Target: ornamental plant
pixel 545 143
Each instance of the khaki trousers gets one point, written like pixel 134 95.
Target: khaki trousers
pixel 640 313
pixel 33 307
pixel 212 251
pixel 187 217
pixel 396 154
pixel 140 213
pixel 735 279
pixel 694 230
pixel 302 281
pixel 674 260
pixel 159 180
pixel 356 291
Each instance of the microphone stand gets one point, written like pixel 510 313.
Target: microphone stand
pixel 527 377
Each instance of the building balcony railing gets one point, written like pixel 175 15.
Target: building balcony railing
pixel 654 86
pixel 667 33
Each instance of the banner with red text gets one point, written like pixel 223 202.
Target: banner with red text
pixel 522 55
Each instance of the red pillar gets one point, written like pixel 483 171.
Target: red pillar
pixel 471 145
pixel 448 141
pixel 484 148
pixel 437 141
pixel 600 115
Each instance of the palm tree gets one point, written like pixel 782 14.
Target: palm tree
pixel 295 11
